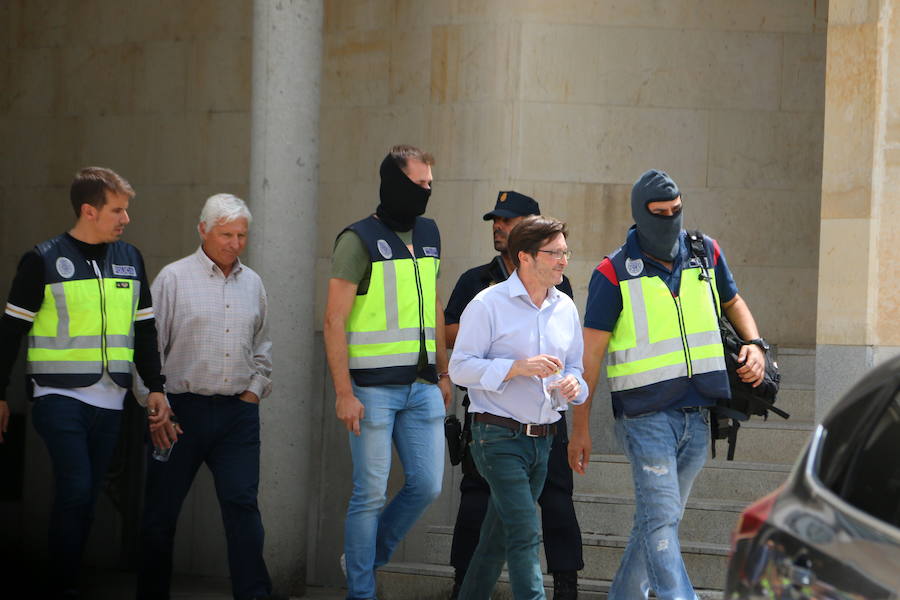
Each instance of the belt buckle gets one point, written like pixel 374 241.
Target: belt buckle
pixel 528 430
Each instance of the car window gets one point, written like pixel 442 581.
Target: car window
pixel 872 481
pixel 847 426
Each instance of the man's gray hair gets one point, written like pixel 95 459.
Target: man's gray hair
pixel 224 208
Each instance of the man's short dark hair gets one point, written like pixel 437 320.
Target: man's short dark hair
pixel 90 185
pixel 401 153
pixel 531 233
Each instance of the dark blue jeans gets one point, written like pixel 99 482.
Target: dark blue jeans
pixel 81 440
pixel 515 466
pixel 223 432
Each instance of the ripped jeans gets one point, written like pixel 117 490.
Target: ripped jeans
pixel 666 450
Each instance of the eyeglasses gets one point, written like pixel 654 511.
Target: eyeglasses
pixel 558 254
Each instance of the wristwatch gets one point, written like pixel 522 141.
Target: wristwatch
pixel 763 344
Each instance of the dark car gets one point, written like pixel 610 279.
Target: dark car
pixel 832 530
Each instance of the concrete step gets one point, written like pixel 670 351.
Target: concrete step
pixel 797 365
pixel 736 481
pixel 772 441
pixel 797 400
pixel 602 554
pixel 404 581
pixel 709 521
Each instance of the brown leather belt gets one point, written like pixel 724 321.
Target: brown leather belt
pixel 529 429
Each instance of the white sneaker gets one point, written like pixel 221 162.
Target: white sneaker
pixel 344 565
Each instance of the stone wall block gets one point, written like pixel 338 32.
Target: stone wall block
pixel 161 81
pixel 765 150
pixel 362 136
pixel 843 302
pixel 356 69
pixel 803 75
pixel 228 153
pixel 887 313
pixel 892 77
pixel 34 23
pixel 638 67
pixel 33 84
pixel 97 22
pixel 176 149
pixel 21 231
pixel 46 151
pixel 470 140
pixel 604 144
pixel 410 64
pixel 472 63
pixel 780 299
pixel 850 109
pixel 341 15
pixel 854 12
pixel 104 138
pixel 100 80
pixel 219 75
pixel 758 227
pixel 724 15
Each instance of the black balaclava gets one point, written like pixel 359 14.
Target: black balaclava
pixel 401 199
pixel 658 235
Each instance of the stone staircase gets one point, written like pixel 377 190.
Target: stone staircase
pixel 604 502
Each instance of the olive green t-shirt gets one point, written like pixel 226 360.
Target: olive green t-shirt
pixel 351 261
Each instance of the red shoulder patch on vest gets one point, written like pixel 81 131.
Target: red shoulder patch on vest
pixel 608 271
pixel 716 252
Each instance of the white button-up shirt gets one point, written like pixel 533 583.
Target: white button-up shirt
pixel 213 334
pixel 501 325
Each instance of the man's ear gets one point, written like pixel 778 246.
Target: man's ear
pixel 201 227
pixel 88 211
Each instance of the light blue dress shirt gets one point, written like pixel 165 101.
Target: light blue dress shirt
pixel 501 325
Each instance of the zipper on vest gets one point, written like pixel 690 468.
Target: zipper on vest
pixel 421 310
pixel 102 317
pixel 684 342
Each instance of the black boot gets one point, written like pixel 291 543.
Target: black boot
pixel 565 585
pixel 458 577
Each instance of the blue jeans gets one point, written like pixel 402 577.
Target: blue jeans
pixel 223 432
pixel 412 416
pixel 515 466
pixel 81 440
pixel 666 449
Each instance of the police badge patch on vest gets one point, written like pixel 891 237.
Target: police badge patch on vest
pixel 123 284
pixel 385 249
pixel 634 266
pixel 64 267
pixel 430 251
pixel 126 270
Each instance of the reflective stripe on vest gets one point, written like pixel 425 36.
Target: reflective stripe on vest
pixel 386 323
pixel 659 337
pixel 79 330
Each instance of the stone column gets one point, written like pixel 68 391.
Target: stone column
pixel 859 283
pixel 287 55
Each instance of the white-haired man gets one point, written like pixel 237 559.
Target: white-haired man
pixel 216 353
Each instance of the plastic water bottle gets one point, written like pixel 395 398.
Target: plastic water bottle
pixel 163 454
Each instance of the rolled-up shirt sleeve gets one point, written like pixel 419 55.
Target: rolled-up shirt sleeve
pixel 470 365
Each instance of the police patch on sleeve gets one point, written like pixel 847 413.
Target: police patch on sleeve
pixel 64 267
pixel 385 249
pixel 126 270
pixel 430 251
pixel 634 266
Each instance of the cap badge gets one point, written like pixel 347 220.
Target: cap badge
pixel 502 197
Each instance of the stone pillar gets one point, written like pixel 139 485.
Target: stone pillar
pixel 859 253
pixel 287 54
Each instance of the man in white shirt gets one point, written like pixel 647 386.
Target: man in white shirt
pixel 518 352
pixel 216 353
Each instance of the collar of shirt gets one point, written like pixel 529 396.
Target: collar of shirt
pixel 515 287
pixel 212 268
